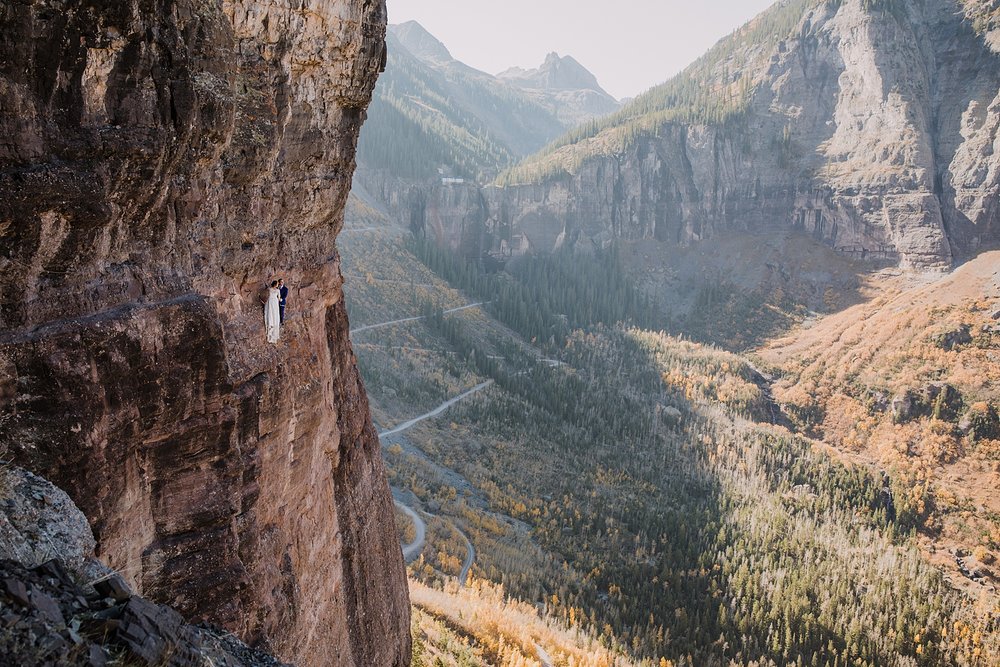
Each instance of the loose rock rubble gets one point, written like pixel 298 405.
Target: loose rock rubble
pixel 48 618
pixel 60 606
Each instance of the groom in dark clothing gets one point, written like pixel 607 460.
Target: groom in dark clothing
pixel 282 298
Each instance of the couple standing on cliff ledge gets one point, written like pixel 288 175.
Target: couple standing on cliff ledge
pixel 274 309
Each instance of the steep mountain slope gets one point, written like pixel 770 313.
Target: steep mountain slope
pixel 160 161
pixel 564 86
pixel 431 112
pixel 420 43
pixel 438 128
pixel 869 124
pixel 909 382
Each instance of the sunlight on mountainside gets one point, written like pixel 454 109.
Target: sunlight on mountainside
pixel 715 89
pixel 693 380
pixel 910 381
pixel 492 628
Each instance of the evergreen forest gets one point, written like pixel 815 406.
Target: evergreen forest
pixel 646 490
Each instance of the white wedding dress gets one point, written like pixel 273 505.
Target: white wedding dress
pixel 272 318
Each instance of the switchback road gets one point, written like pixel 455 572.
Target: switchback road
pixel 436 411
pixel 369 327
pixel 412 550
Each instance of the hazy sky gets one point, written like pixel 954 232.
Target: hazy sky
pixel 630 45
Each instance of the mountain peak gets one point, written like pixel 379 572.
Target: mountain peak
pixel 420 43
pixel 556 73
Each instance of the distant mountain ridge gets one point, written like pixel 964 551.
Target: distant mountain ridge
pixel 562 84
pixel 438 129
pixel 555 73
pixel 867 124
pixel 433 115
pixel 425 46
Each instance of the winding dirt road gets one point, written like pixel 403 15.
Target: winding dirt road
pixel 470 557
pixel 369 327
pixel 412 550
pixel 436 411
pixel 543 657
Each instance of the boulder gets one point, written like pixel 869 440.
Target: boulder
pixel 943 400
pixel 39 522
pixel 673 415
pixel 61 606
pixel 954 339
pixel 981 422
pixel 905 406
pixel 937 399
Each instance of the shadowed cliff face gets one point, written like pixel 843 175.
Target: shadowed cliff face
pixel 159 160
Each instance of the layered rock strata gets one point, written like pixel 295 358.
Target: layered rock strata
pixel 158 162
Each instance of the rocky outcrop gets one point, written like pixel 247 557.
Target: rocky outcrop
pixel 158 163
pixel 39 522
pixel 63 607
pixel 51 619
pixel 872 128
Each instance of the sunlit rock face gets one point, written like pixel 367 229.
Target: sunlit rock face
pixel 874 127
pixel 158 163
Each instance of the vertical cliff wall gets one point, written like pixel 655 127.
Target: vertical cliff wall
pixel 159 160
pixel 872 126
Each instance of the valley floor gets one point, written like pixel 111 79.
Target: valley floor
pixel 613 495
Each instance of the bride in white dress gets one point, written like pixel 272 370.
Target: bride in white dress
pixel 272 317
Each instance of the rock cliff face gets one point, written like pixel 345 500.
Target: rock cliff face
pixel 159 161
pixel 873 127
pixel 62 607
